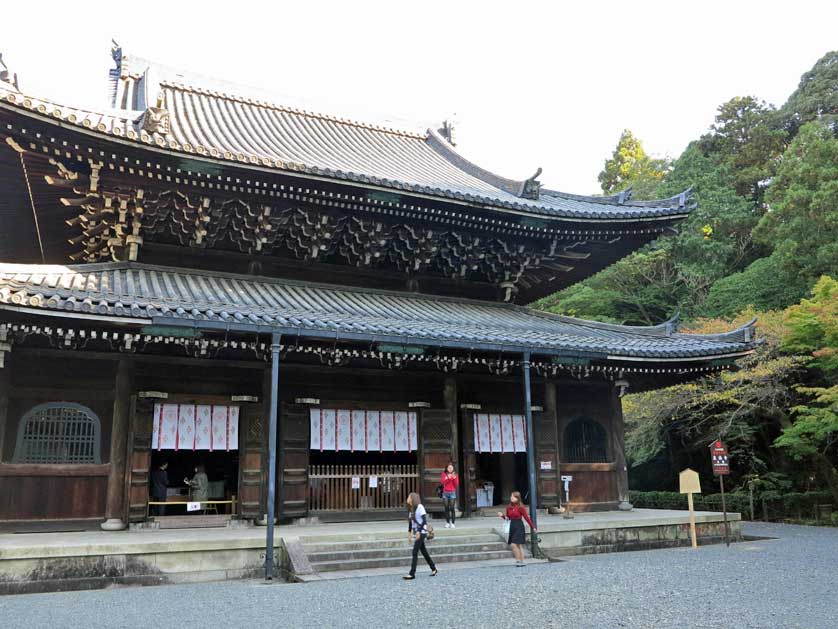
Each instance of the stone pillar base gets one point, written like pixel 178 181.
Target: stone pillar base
pixel 113 524
pixel 625 505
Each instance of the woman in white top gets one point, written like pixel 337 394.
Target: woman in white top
pixel 417 531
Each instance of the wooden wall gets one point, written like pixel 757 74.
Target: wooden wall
pixel 594 484
pixel 54 491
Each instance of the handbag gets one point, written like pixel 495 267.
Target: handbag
pixel 440 490
pixel 506 525
pixel 430 528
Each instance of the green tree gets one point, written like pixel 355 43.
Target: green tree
pixel 816 98
pixel 813 328
pixel 763 285
pixel 749 137
pixel 814 433
pixel 629 165
pixel 802 224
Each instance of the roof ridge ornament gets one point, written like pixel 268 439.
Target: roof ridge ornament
pixel 6 75
pixel 156 119
pixel 531 188
pixel 624 196
pixel 447 132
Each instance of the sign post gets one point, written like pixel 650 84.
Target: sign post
pixel 566 480
pixel 721 468
pixel 689 484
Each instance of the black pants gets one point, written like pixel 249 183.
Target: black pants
pixel 450 509
pixel 158 509
pixel 419 545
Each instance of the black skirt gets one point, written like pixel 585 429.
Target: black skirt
pixel 517 535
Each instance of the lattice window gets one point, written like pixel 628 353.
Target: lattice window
pixel 585 441
pixel 56 433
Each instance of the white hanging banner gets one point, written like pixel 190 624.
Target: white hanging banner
pixel 195 427
pixel 388 431
pixel 507 440
pixel 499 433
pixel 412 428
pixel 316 429
pixel 203 427
pixel 519 433
pixel 328 420
pixel 359 431
pixel 344 430
pixel 165 427
pixel 495 433
pixel 401 432
pixel 363 431
pixel 186 427
pixel 373 431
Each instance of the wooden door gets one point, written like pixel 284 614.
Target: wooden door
pixel 141 424
pixel 468 475
pixel 434 454
pixel 546 453
pixel 252 446
pixel 293 439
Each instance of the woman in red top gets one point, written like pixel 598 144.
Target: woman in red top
pixel 516 512
pixel 450 481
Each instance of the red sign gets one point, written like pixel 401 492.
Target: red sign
pixel 719 458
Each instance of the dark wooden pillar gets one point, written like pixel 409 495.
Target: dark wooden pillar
pixel 123 388
pixel 450 398
pixel 618 449
pixel 5 373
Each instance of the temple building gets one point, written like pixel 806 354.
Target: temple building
pixel 181 266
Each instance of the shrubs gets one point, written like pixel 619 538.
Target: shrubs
pixel 778 505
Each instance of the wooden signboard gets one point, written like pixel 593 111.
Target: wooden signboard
pixel 689 484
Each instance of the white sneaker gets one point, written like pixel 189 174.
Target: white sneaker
pixel 452 526
pixel 447 525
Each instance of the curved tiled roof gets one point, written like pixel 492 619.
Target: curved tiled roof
pixel 212 120
pixel 141 291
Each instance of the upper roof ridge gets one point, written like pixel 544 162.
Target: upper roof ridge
pixel 153 76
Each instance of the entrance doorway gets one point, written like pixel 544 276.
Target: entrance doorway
pixel 221 468
pixel 498 475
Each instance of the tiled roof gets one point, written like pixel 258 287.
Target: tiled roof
pixel 212 119
pixel 141 291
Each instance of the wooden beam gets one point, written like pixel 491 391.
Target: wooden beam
pixel 31 469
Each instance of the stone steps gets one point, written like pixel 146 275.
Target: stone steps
pixel 192 521
pixel 405 551
pixel 400 541
pixel 393 552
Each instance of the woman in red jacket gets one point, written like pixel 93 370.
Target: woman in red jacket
pixel 450 481
pixel 516 512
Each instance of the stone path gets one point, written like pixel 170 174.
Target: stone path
pixel 790 581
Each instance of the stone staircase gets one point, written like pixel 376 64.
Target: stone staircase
pixel 394 550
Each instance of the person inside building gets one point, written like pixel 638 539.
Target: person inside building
pixel 199 486
pixel 450 481
pixel 516 512
pixel 159 487
pixel 417 532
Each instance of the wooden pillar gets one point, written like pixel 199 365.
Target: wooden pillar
pixel 551 417
pixel 450 398
pixel 618 450
pixel 123 388
pixel 5 374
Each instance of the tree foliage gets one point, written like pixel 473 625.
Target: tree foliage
pixel 802 224
pixel 629 165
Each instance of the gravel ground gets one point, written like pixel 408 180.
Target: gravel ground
pixel 791 581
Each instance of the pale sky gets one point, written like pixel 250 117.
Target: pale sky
pixel 528 84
